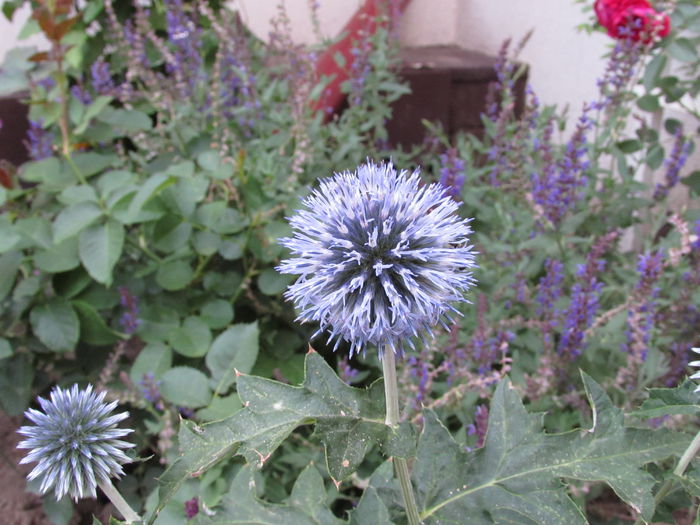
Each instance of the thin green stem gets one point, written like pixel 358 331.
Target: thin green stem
pixel 119 502
pixel 683 463
pixel 391 393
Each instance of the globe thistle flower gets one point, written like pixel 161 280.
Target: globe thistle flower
pixel 74 442
pixel 380 257
pixel 696 375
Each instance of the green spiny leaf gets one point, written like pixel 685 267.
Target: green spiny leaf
pixel 515 477
pixel 668 401
pixel 272 410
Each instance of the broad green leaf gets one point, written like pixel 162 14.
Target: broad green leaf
pixel 348 422
pixel 182 197
pixel 271 282
pixel 649 103
pixel 156 323
pixel 77 194
pixel 41 170
pixel 89 163
pixel 206 242
pixel 126 120
pixel 669 401
pixel 192 339
pixel 9 264
pixel 5 348
pixel 232 248
pixel 306 504
pixel 59 257
pixel 653 70
pixel 174 275
pixel 149 189
pixel 217 313
pixel 155 358
pixel 100 248
pixel 515 476
pixel 56 324
pixel 220 408
pixel 91 112
pixel 73 219
pixel 9 236
pixel 171 234
pixel 683 50
pixel 16 377
pixel 93 329
pixel 236 349
pixel 219 217
pixel 185 386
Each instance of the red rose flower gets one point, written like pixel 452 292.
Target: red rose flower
pixel 634 19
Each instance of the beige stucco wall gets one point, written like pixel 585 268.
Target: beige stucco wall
pixel 9 33
pixel 564 63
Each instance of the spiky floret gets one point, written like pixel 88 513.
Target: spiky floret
pixel 696 375
pixel 381 257
pixel 74 442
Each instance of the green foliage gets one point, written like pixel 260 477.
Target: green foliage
pixel 141 256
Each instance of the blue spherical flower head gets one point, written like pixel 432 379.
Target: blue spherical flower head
pixel 74 442
pixel 381 258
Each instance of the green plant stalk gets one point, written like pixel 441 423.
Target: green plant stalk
pixel 391 393
pixel 683 463
pixel 119 502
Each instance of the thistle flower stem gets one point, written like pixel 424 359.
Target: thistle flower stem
pixel 119 502
pixel 391 393
pixel 683 463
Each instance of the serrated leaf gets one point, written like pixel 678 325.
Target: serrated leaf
pixel 515 477
pixel 306 504
pixel 669 401
pixel 100 247
pixel 272 410
pixel 56 324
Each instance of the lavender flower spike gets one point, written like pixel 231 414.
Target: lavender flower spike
pixel 696 375
pixel 381 257
pixel 74 442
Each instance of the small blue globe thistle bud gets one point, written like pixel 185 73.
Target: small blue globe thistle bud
pixel 381 257
pixel 74 442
